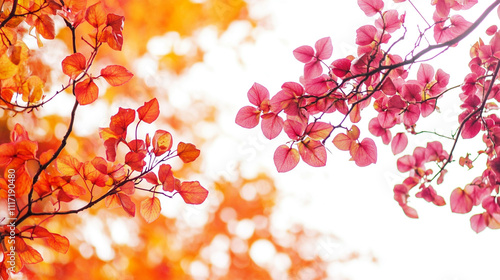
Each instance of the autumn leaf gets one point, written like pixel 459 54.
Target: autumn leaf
pixel 192 192
pixel 7 68
pixel 96 15
pixel 121 120
pixel 166 177
pixel 162 142
pixel 187 152
pixel 45 26
pixel 68 165
pixel 150 209
pixel 73 65
pixel 150 111
pixel 371 7
pixel 116 75
pixel 127 204
pixel 86 91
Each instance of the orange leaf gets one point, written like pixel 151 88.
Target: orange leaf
pixel 59 243
pixel 116 75
pixel 187 152
pixel 27 253
pixel 112 201
pixel 150 209
pixel 68 165
pixel 162 142
pixel 150 111
pixel 96 15
pixel 127 204
pixel 73 65
pixel 45 26
pixel 192 192
pixel 121 120
pixel 342 142
pixel 86 91
pixel 7 68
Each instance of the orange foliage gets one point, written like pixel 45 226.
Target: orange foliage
pixel 84 178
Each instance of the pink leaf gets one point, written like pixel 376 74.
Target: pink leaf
pixel 312 69
pixel 272 125
pixel 304 54
pixel 365 35
pixel 286 158
pixel 364 153
pixel 312 152
pixel 460 201
pixel 371 7
pixel 257 94
pixel 341 67
pixel 410 212
pixel 406 163
pixel 399 143
pixel 425 73
pixel 324 48
pixel 471 128
pixel 412 114
pixel 294 129
pixel 479 222
pixel 319 130
pixel 248 117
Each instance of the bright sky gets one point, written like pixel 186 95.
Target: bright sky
pixel 355 204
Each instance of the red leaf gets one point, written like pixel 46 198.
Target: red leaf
pixel 116 75
pixel 127 204
pixel 86 91
pixel 151 178
pixel 162 142
pixel 364 153
pixel 166 177
pixel 192 192
pixel 371 7
pixel 248 117
pixel 96 15
pixel 272 125
pixel 121 120
pixel 460 201
pixel 304 53
pixel 150 111
pixel 135 160
pixel 286 158
pixel 399 143
pixel 312 152
pixel 187 152
pixel 406 163
pixel 73 65
pixel 150 209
